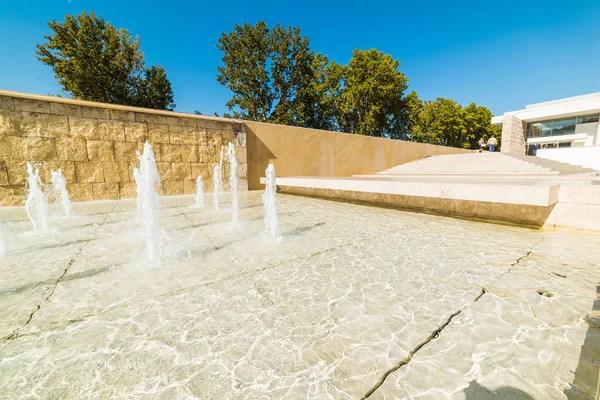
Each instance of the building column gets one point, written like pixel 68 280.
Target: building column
pixel 513 135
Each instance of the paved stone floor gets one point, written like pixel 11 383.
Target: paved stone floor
pixel 354 301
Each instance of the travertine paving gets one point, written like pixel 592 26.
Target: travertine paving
pixel 354 301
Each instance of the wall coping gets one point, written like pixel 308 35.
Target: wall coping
pixel 118 107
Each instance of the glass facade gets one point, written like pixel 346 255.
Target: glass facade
pixel 556 127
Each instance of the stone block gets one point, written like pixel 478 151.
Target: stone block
pixel 158 133
pixel 11 122
pixel 181 171
pixel 80 191
pixel 100 150
pixel 3 173
pixel 39 149
pixel 170 153
pixel 116 171
pixel 146 117
pixel 177 134
pixel 229 136
pixel 242 171
pixel 105 191
pixel 30 124
pixel 122 115
pixel 90 171
pixel 65 109
pixel 31 105
pixel 67 168
pixel 156 151
pixel 12 195
pixel 207 154
pixel 208 185
pixel 189 186
pixel 215 139
pixel 95 112
pixel 241 154
pixel 190 122
pixel 71 149
pixel 83 127
pixel 167 119
pixel 127 190
pixel 126 151
pixel 53 125
pixel 513 135
pixel 196 170
pixel 111 130
pixel 136 132
pixel 164 170
pixel 170 188
pixel 6 103
pixel 240 139
pixel 17 172
pixel 11 148
pixel 190 153
pixel 201 137
pixel 130 167
pixel 242 185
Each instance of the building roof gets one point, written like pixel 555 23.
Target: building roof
pixel 561 108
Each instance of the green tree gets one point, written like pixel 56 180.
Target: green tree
pixel 372 98
pixel 441 122
pixel 246 54
pixel 406 125
pixel 445 122
pixel 478 124
pixel 274 76
pixel 93 60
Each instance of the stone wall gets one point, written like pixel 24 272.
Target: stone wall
pixel 95 144
pixel 296 151
pixel 513 135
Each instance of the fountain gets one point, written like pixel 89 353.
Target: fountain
pixel 217 187
pixel 59 183
pixel 200 192
pixel 233 182
pixel 221 174
pixel 138 182
pixel 147 179
pixel 35 204
pixel 270 204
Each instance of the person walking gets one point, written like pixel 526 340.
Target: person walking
pixel 492 142
pixel 481 144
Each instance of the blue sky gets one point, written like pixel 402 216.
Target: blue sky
pixel 501 54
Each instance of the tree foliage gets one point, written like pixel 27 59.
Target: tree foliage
pixel 372 97
pixel 276 77
pixel 93 60
pixel 447 123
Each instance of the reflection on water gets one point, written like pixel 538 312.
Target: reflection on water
pixel 348 293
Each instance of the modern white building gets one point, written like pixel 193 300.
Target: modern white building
pixel 564 130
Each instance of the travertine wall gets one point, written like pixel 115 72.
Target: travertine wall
pixel 298 151
pixel 95 144
pixel 513 135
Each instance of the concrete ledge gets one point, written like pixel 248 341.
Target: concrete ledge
pixel 532 216
pixel 517 194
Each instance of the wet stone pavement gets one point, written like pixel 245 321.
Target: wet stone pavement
pixel 354 302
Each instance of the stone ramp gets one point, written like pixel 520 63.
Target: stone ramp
pixel 491 186
pixel 485 163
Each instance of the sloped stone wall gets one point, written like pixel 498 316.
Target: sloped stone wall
pixel 95 144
